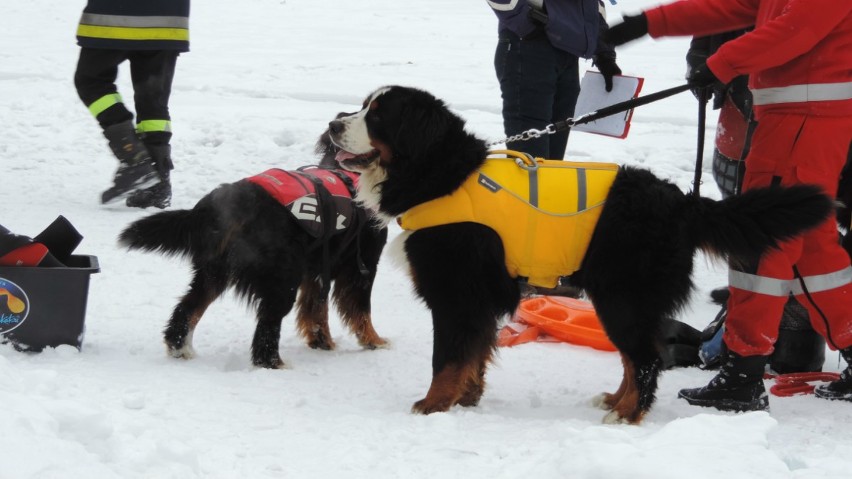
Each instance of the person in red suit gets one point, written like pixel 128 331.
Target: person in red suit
pixel 799 62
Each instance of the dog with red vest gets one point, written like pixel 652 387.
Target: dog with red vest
pixel 270 237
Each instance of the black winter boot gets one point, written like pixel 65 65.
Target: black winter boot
pixel 159 195
pixel 135 170
pixel 842 388
pixel 737 387
pixel 798 348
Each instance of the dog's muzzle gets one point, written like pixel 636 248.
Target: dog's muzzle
pixel 353 162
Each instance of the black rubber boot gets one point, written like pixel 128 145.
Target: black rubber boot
pixel 842 388
pixel 135 170
pixel 159 195
pixel 737 387
pixel 798 348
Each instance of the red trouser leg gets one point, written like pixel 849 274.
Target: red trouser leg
pixel 796 149
pixel 827 292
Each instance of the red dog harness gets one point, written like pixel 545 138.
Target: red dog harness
pixel 315 196
pixel 322 200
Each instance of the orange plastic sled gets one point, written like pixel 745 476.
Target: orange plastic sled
pixel 562 319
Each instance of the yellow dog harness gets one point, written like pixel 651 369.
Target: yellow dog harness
pixel 544 210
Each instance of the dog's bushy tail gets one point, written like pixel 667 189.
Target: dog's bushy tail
pixel 170 232
pixel 743 226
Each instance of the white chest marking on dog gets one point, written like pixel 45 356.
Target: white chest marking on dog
pixel 370 191
pixel 396 251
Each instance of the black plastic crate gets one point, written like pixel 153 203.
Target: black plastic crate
pixel 41 307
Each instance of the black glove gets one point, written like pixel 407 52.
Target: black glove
pixel 606 65
pixel 694 59
pixel 701 77
pixel 630 29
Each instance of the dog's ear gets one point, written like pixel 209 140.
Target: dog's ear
pixel 326 150
pixel 423 127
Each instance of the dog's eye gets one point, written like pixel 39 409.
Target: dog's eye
pixel 374 105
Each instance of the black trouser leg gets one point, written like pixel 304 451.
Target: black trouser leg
pixel 152 73
pixel 539 85
pixel 95 82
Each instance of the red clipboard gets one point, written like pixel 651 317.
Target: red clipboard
pixel 593 97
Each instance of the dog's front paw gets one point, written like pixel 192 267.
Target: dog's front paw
pixel 269 363
pixel 375 343
pixel 472 394
pixel 185 352
pixel 321 342
pixel 602 401
pixel 469 400
pixel 613 417
pixel 368 338
pixel 425 406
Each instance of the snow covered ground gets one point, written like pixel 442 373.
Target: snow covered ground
pixel 261 82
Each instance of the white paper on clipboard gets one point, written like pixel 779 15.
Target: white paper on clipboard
pixel 593 96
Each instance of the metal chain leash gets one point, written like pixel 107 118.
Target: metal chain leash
pixel 525 135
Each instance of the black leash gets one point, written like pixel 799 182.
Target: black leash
pixel 703 98
pixel 591 116
pixel 619 107
pixel 625 106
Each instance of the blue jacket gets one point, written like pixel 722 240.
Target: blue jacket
pixel 573 26
pixel 135 25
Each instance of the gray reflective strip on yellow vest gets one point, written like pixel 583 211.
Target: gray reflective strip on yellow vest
pixel 134 22
pixel 581 189
pixel 803 93
pixel 783 287
pixel 534 187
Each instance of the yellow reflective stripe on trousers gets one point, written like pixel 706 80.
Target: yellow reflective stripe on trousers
pixel 100 20
pixel 98 106
pixel 803 93
pixel 129 33
pixel 823 282
pixel 148 126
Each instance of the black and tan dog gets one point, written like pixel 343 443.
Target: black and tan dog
pixel 411 150
pixel 240 235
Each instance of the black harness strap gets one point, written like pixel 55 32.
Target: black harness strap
pixel 328 218
pixel 359 219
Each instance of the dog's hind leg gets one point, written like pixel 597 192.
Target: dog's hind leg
pixel 205 287
pixel 630 328
pixel 639 395
pixel 607 401
pixel 312 316
pixel 276 295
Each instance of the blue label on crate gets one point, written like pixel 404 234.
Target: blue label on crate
pixel 14 306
